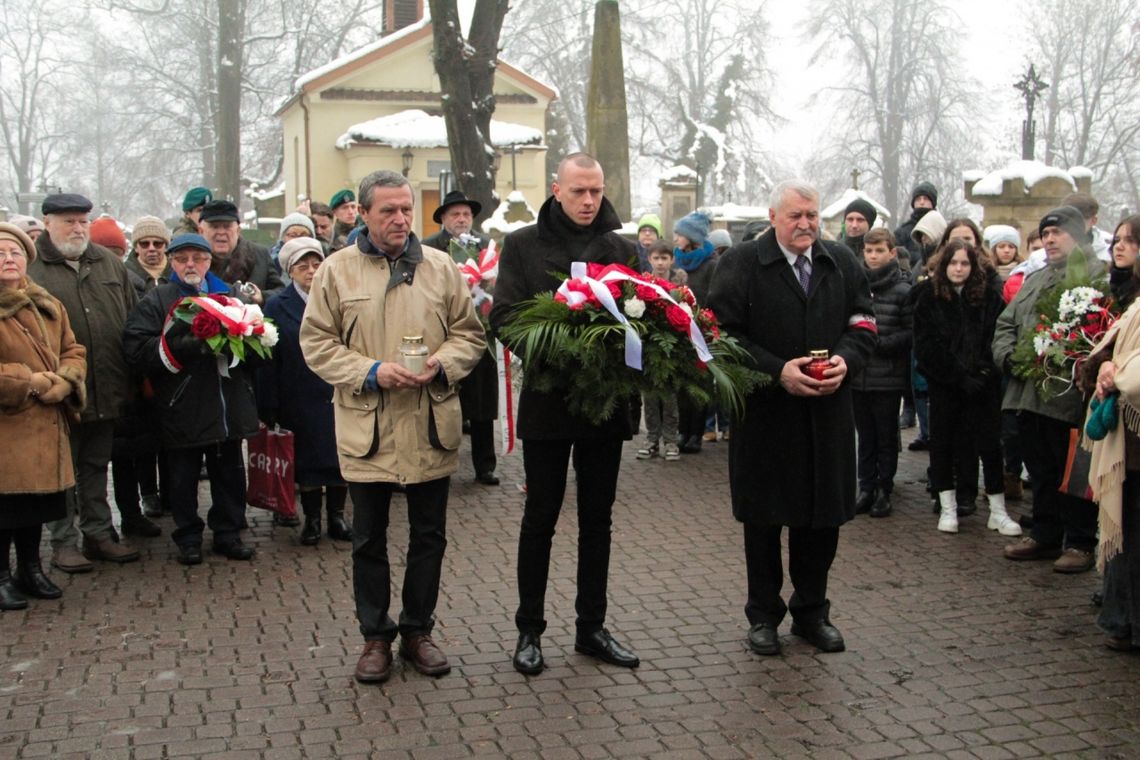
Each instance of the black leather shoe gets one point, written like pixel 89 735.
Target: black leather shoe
pixel 311 533
pixel 10 596
pixel 339 529
pixel 291 521
pixel 234 550
pixel 602 646
pixel 882 505
pixel 190 555
pixel 137 525
pixel 487 478
pixel 691 445
pixel 822 635
pixel 763 639
pixel 528 655
pixel 967 508
pixel 31 581
pixel 864 501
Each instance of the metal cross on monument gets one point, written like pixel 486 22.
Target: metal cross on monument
pixel 855 179
pixel 1030 86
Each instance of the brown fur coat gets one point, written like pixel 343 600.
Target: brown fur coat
pixel 36 336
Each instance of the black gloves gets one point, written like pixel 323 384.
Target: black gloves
pixel 185 347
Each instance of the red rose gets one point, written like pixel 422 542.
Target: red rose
pixel 221 298
pixel 678 319
pixel 646 293
pixel 205 326
pixel 702 365
pixel 615 289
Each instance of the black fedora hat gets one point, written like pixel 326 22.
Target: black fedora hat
pixel 455 198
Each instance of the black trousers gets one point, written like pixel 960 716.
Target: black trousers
pixel 690 417
pixel 877 422
pixel 27 542
pixel 371 571
pixel 483 445
pixel 226 468
pixel 596 464
pixel 1058 519
pixel 134 475
pixel 963 428
pixel 810 554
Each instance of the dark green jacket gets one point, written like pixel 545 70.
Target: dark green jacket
pixel 97 297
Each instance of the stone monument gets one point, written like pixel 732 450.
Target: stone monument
pixel 607 124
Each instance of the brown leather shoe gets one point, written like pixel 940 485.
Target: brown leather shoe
pixel 1013 488
pixel 375 664
pixel 1074 561
pixel 108 550
pixel 1028 548
pixel 424 655
pixel 69 560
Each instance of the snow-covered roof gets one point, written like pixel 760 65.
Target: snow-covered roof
pixel 972 175
pixel 416 129
pixel 851 194
pixel 360 52
pixel 264 195
pixel 1030 172
pixel 1080 172
pixel 731 212
pixel 679 172
pixel 497 222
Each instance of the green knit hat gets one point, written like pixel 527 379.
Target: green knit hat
pixel 650 220
pixel 340 197
pixel 195 197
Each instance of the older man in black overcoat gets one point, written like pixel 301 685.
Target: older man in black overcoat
pixel 576 224
pixel 792 454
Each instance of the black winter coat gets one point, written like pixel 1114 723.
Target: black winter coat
pixel 903 238
pixel 530 259
pixel 249 262
pixel 888 368
pixel 196 405
pixel 953 339
pixel 479 391
pixel 293 396
pixel 792 459
pixel 97 298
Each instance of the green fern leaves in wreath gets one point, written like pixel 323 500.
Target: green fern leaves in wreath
pixel 581 354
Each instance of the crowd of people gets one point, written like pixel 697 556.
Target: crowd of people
pixel 915 327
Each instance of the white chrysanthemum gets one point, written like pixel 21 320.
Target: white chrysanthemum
pixel 1042 342
pixel 269 337
pixel 1077 302
pixel 634 307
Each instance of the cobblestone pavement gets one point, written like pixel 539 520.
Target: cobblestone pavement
pixel 952 650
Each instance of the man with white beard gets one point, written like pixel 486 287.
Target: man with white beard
pixel 96 291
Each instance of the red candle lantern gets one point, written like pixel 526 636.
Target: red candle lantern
pixel 819 364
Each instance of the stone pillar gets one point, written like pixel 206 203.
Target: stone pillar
pixel 607 124
pixel 1016 204
pixel 678 198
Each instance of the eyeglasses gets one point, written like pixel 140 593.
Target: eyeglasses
pixel 151 244
pixel 12 255
pixel 197 258
pixel 1127 240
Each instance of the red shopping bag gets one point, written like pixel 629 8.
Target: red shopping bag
pixel 270 471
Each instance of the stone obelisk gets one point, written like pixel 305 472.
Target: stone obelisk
pixel 607 124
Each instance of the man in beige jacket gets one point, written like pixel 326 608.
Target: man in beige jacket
pixel 394 426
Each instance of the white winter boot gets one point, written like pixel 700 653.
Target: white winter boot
pixel 999 518
pixel 948 519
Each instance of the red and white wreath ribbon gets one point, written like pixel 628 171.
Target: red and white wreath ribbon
pixel 632 340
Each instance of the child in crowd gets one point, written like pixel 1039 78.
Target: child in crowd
pixel 661 413
pixel 877 390
pixel 1005 243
